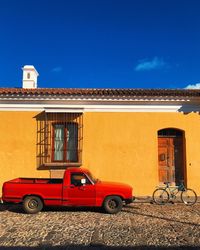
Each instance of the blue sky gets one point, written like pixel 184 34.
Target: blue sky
pixel 101 43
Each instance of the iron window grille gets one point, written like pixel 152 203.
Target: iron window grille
pixel 59 139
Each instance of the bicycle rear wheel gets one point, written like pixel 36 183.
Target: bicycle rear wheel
pixel 160 196
pixel 188 197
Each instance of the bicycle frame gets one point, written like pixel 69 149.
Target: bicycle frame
pixel 173 191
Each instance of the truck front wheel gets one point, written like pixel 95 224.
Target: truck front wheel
pixel 32 204
pixel 112 204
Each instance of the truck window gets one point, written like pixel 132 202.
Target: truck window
pixel 76 179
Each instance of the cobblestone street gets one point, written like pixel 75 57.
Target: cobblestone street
pixel 138 226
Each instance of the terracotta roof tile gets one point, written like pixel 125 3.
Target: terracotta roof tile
pixel 101 92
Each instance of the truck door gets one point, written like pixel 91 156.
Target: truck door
pixel 78 194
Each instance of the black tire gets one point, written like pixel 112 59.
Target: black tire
pixel 160 196
pixel 188 197
pixel 112 204
pixel 32 204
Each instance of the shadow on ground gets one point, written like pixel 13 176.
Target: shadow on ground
pixel 96 247
pixel 161 218
pixel 17 208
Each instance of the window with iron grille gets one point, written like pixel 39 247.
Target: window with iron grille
pixel 59 139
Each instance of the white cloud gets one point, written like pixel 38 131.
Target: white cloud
pixel 193 86
pixel 147 65
pixel 57 69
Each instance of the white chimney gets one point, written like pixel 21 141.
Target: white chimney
pixel 30 75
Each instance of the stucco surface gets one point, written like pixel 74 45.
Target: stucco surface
pixel 117 146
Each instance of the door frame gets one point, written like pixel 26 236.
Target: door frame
pixel 174 133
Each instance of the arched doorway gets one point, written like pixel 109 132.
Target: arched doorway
pixel 171 160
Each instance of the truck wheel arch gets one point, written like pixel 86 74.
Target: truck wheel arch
pixel 120 196
pixel 36 195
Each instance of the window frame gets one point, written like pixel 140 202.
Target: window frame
pixel 64 143
pixel 44 139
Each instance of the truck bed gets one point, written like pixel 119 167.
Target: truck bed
pixel 36 181
pixel 50 190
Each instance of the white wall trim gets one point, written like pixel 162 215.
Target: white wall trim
pixel 98 108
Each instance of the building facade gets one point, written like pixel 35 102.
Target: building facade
pixel 142 137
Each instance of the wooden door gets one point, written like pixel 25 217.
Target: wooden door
pixel 170 159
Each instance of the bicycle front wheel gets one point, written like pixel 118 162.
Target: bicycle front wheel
pixel 160 196
pixel 189 197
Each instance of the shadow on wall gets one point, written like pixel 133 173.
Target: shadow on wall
pixel 187 109
pixel 42 142
pixel 95 247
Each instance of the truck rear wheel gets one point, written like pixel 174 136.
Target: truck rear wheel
pixel 32 204
pixel 112 204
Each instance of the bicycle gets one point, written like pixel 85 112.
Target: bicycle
pixel 163 195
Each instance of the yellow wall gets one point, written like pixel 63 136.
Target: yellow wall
pixel 123 147
pixel 18 146
pixel 116 146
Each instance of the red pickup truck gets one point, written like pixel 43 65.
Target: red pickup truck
pixel 77 188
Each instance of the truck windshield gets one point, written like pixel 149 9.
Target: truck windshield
pixel 92 178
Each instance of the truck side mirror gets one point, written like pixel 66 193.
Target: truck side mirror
pixel 83 181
